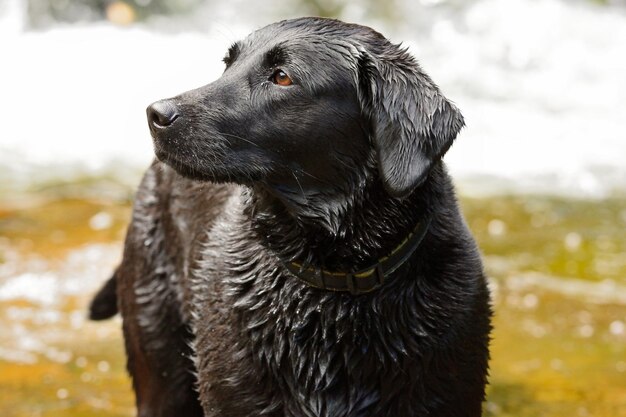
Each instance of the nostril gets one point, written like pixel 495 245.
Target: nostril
pixel 162 113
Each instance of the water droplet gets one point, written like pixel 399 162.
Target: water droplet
pixel 530 301
pixel 120 13
pixel 496 227
pixel 572 241
pixel 556 364
pixel 103 366
pixel 62 394
pixel 101 221
pixel 493 408
pixel 586 330
pixel 617 327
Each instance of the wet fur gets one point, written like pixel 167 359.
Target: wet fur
pixel 334 172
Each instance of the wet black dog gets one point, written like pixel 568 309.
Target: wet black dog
pixel 299 250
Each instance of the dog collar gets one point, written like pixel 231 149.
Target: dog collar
pixel 363 280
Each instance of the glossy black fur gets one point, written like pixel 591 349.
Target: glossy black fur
pixel 334 170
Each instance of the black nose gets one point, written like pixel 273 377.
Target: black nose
pixel 162 113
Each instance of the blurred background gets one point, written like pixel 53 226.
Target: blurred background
pixel 540 169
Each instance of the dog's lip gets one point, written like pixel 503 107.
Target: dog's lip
pixel 169 157
pixel 163 155
pixel 181 167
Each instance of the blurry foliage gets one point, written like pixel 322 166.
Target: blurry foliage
pixel 43 13
pixel 324 8
pixel 384 10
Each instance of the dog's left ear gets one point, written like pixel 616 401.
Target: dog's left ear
pixel 412 123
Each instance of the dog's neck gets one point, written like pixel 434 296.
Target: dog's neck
pixel 369 226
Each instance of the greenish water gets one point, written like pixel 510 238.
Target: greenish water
pixel 557 268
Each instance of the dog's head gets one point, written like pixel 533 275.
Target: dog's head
pixel 309 106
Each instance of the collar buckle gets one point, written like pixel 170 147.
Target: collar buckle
pixel 351 283
pixel 319 278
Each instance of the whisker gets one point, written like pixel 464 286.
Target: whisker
pixel 314 177
pixel 238 137
pixel 300 185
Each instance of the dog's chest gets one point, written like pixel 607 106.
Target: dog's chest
pixel 261 332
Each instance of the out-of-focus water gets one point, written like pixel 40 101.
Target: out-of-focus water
pixel 541 82
pixel 556 267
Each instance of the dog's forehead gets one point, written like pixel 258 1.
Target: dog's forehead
pixel 306 27
pixel 293 37
pixel 304 34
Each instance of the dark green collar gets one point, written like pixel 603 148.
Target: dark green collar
pixel 367 279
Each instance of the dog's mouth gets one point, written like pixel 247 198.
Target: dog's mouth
pixel 215 173
pixel 180 166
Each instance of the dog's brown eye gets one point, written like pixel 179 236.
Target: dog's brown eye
pixel 281 78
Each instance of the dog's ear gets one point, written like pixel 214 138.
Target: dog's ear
pixel 412 123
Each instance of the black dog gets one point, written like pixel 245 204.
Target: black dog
pixel 300 251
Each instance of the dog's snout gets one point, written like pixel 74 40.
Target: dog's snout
pixel 162 113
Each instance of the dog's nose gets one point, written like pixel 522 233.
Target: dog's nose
pixel 162 113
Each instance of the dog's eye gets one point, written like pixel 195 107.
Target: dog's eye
pixel 281 78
